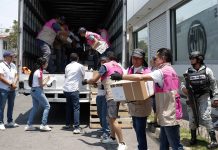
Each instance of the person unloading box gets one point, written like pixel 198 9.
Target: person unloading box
pixel 139 110
pixel 46 36
pixel 94 40
pixel 166 91
pixel 104 73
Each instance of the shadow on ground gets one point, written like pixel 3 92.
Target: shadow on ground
pixel 56 115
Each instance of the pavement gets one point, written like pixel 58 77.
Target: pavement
pixel 58 139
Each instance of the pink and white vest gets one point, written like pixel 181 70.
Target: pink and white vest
pixel 169 108
pixel 143 70
pixel 104 35
pixel 140 108
pixel 111 67
pixel 47 34
pixel 97 36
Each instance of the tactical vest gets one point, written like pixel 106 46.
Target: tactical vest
pixel 199 81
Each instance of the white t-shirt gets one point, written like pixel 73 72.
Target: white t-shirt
pixel 101 90
pixel 157 76
pixel 137 69
pixel 74 74
pixel 36 76
pixel 9 72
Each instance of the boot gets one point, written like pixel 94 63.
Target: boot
pixel 193 137
pixel 213 144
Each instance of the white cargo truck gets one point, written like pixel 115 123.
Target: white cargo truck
pixel 78 13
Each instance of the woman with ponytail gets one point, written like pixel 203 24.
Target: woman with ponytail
pixel 36 82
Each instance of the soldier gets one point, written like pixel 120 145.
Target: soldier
pixel 203 84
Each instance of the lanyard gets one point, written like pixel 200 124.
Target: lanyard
pixel 6 64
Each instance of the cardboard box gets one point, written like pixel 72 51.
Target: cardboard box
pixel 90 74
pixel 132 91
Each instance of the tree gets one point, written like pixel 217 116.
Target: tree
pixel 13 36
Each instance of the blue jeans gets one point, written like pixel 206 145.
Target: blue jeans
pixel 4 96
pixel 72 105
pixel 39 99
pixel 139 124
pixel 170 136
pixel 45 49
pixel 46 53
pixel 102 112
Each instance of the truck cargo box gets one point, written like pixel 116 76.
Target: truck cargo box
pixel 111 14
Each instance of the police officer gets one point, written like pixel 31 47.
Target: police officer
pixel 204 87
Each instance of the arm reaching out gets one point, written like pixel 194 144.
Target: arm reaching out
pixel 131 77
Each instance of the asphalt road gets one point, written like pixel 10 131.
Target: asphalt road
pixel 58 139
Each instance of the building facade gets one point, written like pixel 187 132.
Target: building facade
pixel 181 25
pixel 3 45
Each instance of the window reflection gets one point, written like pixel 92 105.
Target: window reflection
pixel 197 29
pixel 142 41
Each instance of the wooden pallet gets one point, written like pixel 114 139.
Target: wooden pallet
pixel 124 119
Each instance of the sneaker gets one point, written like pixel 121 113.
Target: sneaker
pixel 122 146
pixel 45 128
pixel 29 128
pixel 109 140
pixel 2 126
pixel 12 125
pixel 76 131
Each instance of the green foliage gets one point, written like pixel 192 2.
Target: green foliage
pixel 185 139
pixel 13 36
pixel 143 45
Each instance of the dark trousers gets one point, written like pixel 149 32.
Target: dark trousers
pixel 139 124
pixel 170 136
pixel 6 96
pixel 102 112
pixel 72 105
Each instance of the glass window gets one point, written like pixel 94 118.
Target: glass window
pixel 141 41
pixel 196 28
pixel 5 45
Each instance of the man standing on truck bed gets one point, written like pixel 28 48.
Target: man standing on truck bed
pixel 46 36
pixel 94 40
